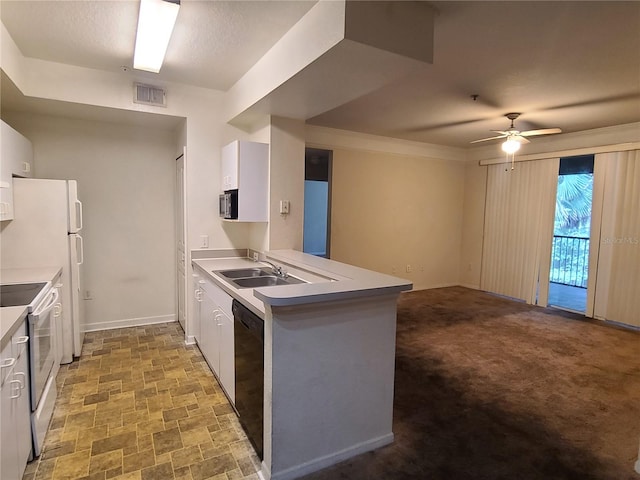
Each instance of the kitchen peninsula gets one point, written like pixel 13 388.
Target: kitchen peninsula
pixel 329 356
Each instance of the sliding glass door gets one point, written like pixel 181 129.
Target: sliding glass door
pixel 572 226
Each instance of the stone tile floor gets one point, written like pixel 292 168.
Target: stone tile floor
pixel 140 404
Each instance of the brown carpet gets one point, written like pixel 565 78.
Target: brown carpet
pixel 488 388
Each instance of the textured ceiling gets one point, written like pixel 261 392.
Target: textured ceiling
pixel 213 43
pixel 573 65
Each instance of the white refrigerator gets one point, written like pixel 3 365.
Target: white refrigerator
pixel 45 233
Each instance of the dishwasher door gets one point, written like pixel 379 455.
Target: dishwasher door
pixel 248 336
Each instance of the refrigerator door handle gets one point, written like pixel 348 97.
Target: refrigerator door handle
pixel 79 214
pixel 80 241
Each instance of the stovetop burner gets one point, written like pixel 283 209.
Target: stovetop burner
pixel 17 294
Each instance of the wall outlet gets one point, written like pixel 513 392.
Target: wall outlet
pixel 204 241
pixel 284 207
pixel 409 268
pixel 256 257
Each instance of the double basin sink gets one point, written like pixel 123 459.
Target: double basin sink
pixel 257 277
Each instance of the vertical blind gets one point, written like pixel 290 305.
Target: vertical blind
pixel 518 232
pixel 617 271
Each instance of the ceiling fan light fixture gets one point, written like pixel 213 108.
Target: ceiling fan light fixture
pixel 510 145
pixel 155 25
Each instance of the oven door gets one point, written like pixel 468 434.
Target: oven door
pixel 42 354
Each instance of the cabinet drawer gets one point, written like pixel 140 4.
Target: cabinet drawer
pixel 222 299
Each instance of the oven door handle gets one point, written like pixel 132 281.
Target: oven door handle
pixel 55 295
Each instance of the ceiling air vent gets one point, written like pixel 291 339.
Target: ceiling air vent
pixel 149 95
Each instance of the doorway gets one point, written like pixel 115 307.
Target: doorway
pixel 317 202
pixel 572 227
pixel 180 229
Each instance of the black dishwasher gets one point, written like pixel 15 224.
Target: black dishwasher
pixel 248 336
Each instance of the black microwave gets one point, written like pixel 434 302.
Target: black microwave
pixel 229 204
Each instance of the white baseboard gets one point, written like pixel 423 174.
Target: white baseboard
pixel 190 340
pixel 129 322
pixel 264 473
pixel 328 460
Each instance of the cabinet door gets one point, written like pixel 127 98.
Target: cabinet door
pixel 227 362
pixel 16 153
pixel 209 332
pixel 222 360
pixel 21 155
pixel 229 170
pixel 23 405
pixel 15 407
pixel 9 466
pixel 253 182
pixel 6 199
pixel 197 300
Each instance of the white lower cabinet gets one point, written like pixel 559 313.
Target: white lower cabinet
pixel 15 406
pixel 216 333
pixel 209 331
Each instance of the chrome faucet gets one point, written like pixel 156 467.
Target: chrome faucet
pixel 277 269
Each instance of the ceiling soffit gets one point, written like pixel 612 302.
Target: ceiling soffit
pixel 366 45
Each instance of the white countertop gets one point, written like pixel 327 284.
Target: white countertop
pixel 328 280
pixel 245 295
pixel 349 281
pixel 10 317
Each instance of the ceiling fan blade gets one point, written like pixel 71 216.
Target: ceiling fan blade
pixel 490 138
pixel 542 131
pixel 522 140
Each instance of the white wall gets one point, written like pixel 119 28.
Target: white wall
pixel 126 178
pixel 205 131
pixel 286 183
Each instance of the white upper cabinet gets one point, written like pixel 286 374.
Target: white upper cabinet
pixel 17 153
pixel 245 167
pixel 16 159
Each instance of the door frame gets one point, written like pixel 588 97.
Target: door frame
pixel 182 260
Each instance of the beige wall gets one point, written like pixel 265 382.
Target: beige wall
pixel 392 210
pixel 126 182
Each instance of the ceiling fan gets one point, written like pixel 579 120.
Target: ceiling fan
pixel 515 138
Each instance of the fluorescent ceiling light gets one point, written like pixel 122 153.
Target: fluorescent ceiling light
pixel 155 24
pixel 511 145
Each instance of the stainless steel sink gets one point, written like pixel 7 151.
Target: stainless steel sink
pixel 257 277
pixel 247 272
pixel 265 281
